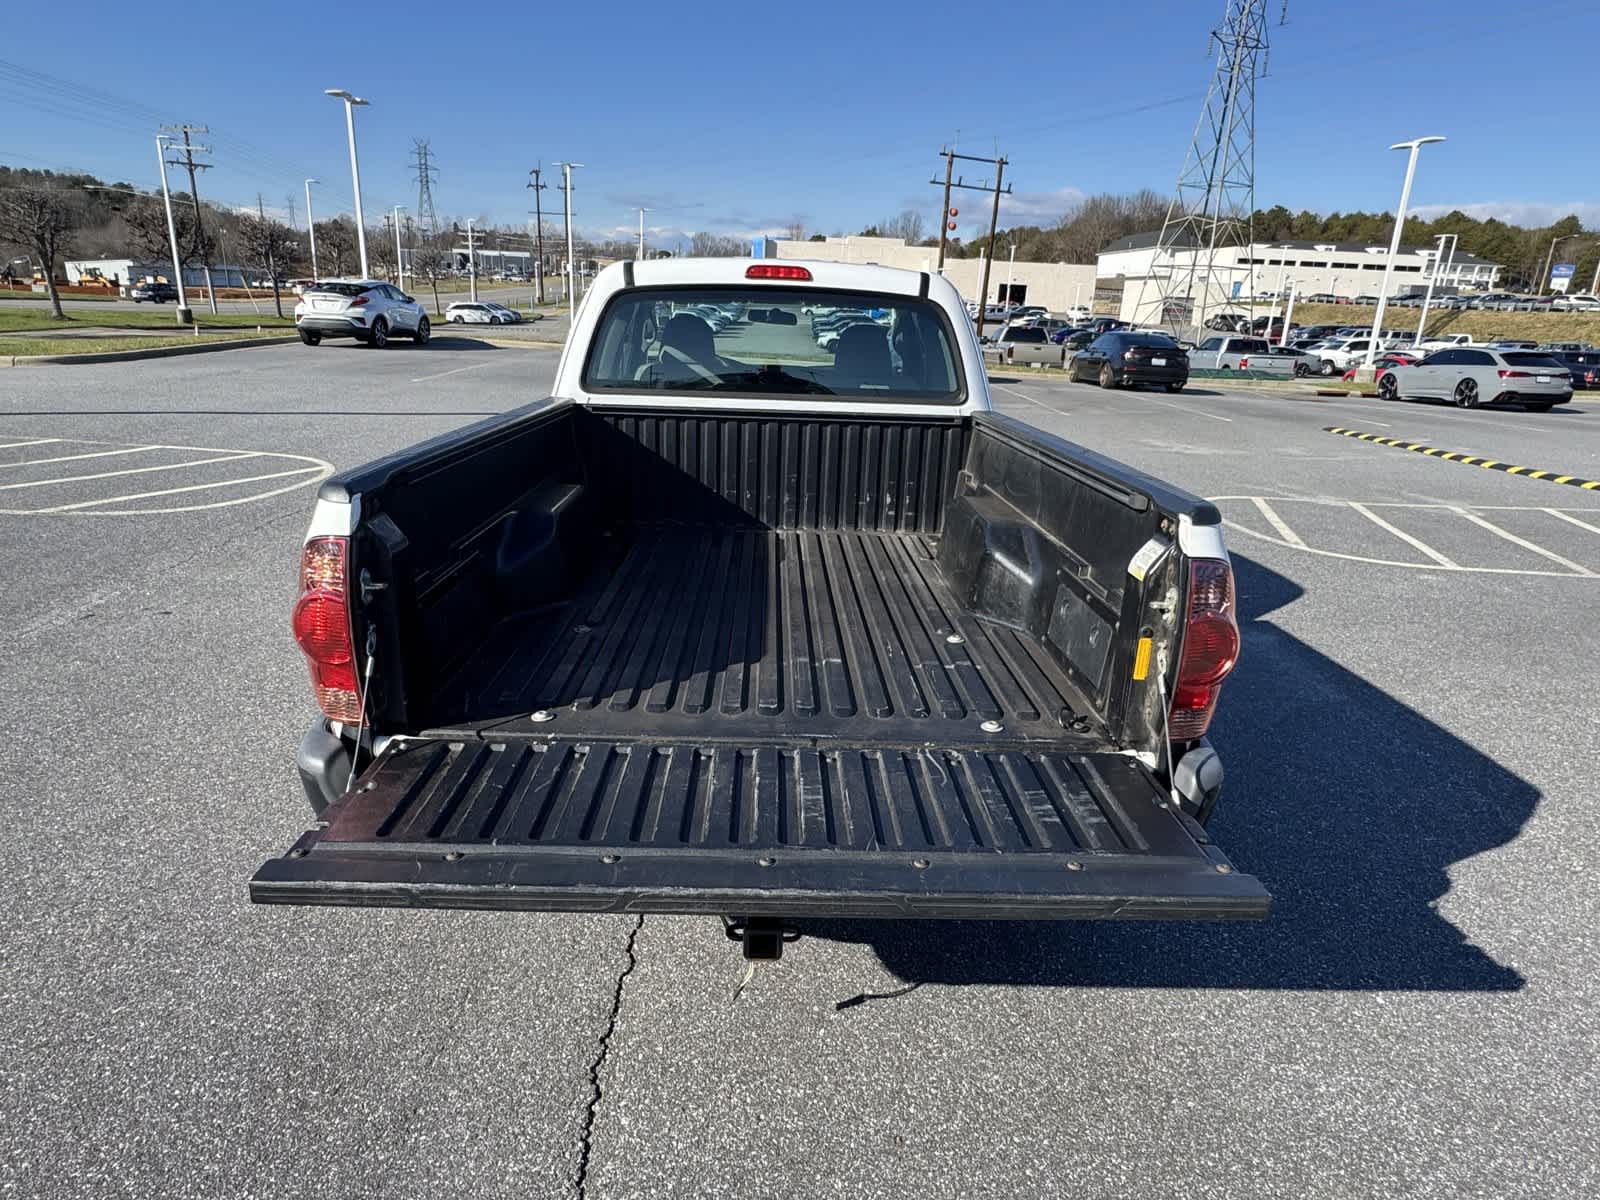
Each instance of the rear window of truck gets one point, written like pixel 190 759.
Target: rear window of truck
pixel 769 341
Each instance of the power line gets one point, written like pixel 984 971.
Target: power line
pixel 999 165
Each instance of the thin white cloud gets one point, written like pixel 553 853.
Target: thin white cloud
pixel 1039 208
pixel 1531 213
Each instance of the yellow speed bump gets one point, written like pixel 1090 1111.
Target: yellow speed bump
pixel 1469 460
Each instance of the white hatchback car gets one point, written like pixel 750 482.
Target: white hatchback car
pixel 369 310
pixel 470 312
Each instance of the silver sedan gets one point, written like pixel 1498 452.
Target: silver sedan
pixel 1472 377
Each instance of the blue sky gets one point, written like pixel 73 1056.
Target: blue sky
pixel 739 118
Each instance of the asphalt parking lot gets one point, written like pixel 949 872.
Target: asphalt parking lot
pixel 1410 742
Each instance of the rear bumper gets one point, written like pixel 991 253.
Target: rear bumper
pixel 1144 374
pixel 1560 397
pixel 331 326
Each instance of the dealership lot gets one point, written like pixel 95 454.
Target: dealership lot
pixel 1409 742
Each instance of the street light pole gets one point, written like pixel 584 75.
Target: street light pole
pixel 311 227
pixel 185 314
pixel 472 265
pixel 350 103
pixel 641 234
pixel 399 262
pixel 1288 317
pixel 1433 278
pixel 1414 145
pixel 572 275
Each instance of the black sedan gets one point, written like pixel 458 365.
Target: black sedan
pixel 1584 365
pixel 155 293
pixel 1119 358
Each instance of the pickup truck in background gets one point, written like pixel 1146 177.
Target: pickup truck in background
pixel 735 625
pixel 1025 345
pixel 1239 354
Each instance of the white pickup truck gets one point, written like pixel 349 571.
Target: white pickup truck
pixel 1229 352
pixel 736 625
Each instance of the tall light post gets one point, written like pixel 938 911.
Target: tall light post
pixel 572 274
pixel 399 262
pixel 311 227
pixel 350 103
pixel 641 234
pixel 185 313
pixel 1433 278
pixel 472 265
pixel 1415 145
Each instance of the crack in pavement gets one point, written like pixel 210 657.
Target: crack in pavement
pixel 602 1053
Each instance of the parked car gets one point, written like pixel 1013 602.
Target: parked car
pixel 1582 365
pixel 1476 376
pixel 1074 339
pixel 1512 344
pixel 1229 322
pixel 1240 354
pixel 1317 333
pixel 1024 345
pixel 1368 299
pixel 369 310
pixel 1389 359
pixel 1302 362
pixel 1565 347
pixel 1445 341
pixel 470 312
pixel 1340 354
pixel 154 293
pixel 1322 298
pixel 500 626
pixel 508 315
pixel 1106 324
pixel 1120 358
pixel 1579 302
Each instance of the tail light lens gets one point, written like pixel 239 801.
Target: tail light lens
pixel 776 271
pixel 1210 649
pixel 322 627
pixel 1516 374
pixel 1243 363
pixel 359 300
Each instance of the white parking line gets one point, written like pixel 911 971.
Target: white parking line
pixel 1186 409
pixel 195 462
pixel 1556 512
pixel 1518 541
pixel 1024 395
pixel 1277 522
pixel 1405 537
pixel 454 371
pixel 34 442
pixel 196 487
pixel 39 462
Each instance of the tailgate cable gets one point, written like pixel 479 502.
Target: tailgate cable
pixel 366 686
pixel 1161 692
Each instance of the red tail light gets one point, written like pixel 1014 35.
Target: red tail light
pixel 1516 374
pixel 1210 649
pixel 1243 363
pixel 322 627
pixel 777 271
pixel 359 300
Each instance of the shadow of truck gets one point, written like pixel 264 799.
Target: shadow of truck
pixel 1350 807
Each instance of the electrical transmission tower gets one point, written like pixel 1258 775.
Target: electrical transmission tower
pixel 1214 206
pixel 426 175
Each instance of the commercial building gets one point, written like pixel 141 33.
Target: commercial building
pixel 1057 286
pixel 1346 269
pixel 123 272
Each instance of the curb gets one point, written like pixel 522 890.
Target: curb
pixel 49 360
pixel 514 343
pixel 1469 460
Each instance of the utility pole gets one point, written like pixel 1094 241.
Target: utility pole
pixel 472 265
pixel 399 261
pixel 944 212
pixel 572 273
pixel 199 244
pixel 959 182
pixel 642 211
pixel 538 225
pixel 994 220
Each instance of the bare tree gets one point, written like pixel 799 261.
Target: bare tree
pixel 711 245
pixel 40 220
pixel 266 242
pixel 796 232
pixel 908 226
pixel 430 260
pixel 146 221
pixel 336 245
pixel 380 250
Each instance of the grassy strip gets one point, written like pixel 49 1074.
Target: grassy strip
pixel 1485 326
pixel 45 296
pixel 113 345
pixel 40 322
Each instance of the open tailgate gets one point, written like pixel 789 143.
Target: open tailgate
pixel 783 830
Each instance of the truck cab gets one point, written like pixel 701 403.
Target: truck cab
pixel 738 624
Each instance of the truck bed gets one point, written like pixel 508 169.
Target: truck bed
pixel 766 717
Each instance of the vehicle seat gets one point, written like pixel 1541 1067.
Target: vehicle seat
pixel 861 358
pixel 686 343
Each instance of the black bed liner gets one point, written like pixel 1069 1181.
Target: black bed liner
pixel 592 826
pixel 761 723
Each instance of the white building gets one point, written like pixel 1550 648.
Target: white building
pixel 1057 286
pixel 1347 269
pixel 127 271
